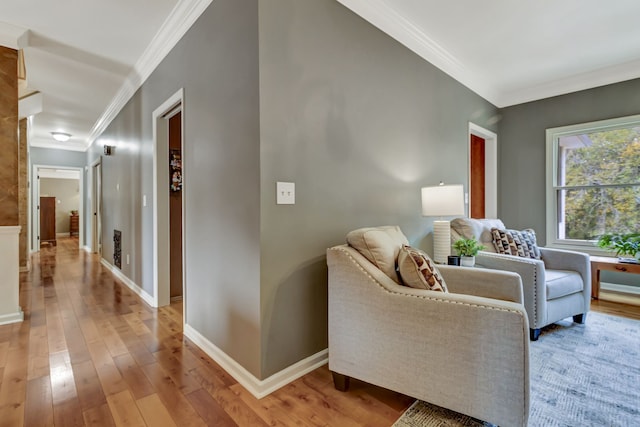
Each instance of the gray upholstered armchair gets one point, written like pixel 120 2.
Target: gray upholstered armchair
pixel 555 287
pixel 466 350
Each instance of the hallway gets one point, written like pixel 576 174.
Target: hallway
pixel 91 353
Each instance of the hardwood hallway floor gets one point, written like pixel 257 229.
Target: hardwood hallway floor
pixel 91 353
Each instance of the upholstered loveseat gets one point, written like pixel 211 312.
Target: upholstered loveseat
pixel 465 349
pixel 556 286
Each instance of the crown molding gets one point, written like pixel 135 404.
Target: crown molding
pixel 387 19
pixel 577 82
pixel 182 17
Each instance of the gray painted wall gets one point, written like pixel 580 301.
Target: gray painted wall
pixel 216 63
pixel 360 124
pixel 521 145
pixel 323 99
pixel 54 157
pixel 122 189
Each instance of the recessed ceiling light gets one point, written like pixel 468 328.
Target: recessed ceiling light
pixel 60 136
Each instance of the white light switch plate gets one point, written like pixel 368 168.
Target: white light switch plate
pixel 285 193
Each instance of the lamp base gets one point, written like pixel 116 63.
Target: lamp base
pixel 441 241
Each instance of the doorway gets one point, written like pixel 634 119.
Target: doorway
pixel 60 188
pixel 483 172
pixel 175 206
pixel 477 187
pixel 168 205
pixel 96 207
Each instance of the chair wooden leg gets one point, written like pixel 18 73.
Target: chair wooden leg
pixel 580 318
pixel 340 382
pixel 534 334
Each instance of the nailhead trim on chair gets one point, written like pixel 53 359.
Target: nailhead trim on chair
pixel 353 260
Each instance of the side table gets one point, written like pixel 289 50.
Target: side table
pixel 599 263
pixel 73 225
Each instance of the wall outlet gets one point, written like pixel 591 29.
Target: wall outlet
pixel 285 193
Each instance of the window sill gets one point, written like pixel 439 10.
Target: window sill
pixel 588 248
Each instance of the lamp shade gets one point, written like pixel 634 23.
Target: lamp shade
pixel 443 200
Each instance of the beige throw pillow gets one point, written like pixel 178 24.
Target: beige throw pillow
pixel 417 270
pixel 380 245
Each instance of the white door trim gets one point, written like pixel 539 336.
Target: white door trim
pixel 490 168
pixel 161 253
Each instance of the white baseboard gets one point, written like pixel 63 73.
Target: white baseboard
pixel 130 284
pixel 87 249
pixel 258 388
pixel 12 317
pixel 627 289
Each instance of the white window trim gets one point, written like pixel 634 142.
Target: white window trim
pixel 552 136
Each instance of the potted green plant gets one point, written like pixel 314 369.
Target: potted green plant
pixel 626 246
pixel 467 249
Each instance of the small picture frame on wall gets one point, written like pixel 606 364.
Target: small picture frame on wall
pixel 175 170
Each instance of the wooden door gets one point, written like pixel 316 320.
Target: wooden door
pixel 477 196
pixel 48 220
pixel 175 206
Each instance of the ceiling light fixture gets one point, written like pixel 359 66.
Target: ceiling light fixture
pixel 60 136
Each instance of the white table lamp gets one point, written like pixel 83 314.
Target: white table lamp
pixel 440 201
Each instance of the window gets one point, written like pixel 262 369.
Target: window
pixel 593 181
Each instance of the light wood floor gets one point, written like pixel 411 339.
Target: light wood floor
pixel 90 353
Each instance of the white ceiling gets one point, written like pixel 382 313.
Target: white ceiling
pixel 86 58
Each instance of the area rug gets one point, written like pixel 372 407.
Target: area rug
pixel 581 375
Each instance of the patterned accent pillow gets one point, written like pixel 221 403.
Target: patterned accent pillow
pixel 528 238
pixel 417 270
pixel 514 242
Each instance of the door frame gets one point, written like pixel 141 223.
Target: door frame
pixel 161 283
pixel 490 169
pixel 35 203
pixel 95 193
